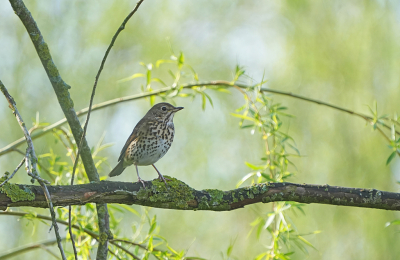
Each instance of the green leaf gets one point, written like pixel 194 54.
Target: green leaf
pixel 239 72
pixel 391 156
pixel 241 108
pixel 150 244
pixel 254 167
pixel 209 99
pixel 306 242
pixel 203 104
pixel 136 75
pixel 246 126
pixel 261 83
pixel 148 78
pixel 195 76
pixel 159 62
pixel 243 117
pixel 153 227
pixel 159 81
pixel 172 74
pixel 261 256
pixel 184 95
pixel 152 100
pixel 181 60
pixel 230 247
pixel 269 220
pixel 394 222
pixel 172 250
pixel 223 90
pixel 245 178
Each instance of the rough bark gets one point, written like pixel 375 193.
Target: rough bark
pixel 180 196
pixel 61 90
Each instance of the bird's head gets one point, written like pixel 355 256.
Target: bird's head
pixel 164 111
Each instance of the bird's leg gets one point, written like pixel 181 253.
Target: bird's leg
pixel 139 179
pixel 160 177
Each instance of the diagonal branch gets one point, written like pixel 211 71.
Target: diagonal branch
pixel 66 103
pixel 77 227
pixel 59 86
pixel 182 197
pixel 82 112
pixel 24 249
pixel 104 222
pixel 31 167
pixel 14 172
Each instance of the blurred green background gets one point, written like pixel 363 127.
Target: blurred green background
pixel 342 52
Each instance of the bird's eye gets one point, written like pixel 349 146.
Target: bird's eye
pixel 164 109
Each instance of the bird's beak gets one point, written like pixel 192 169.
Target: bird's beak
pixel 177 109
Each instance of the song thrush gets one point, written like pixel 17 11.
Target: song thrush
pixel 150 140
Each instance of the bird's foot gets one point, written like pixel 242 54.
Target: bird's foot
pixel 140 180
pixel 161 178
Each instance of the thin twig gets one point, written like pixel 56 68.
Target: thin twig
pixel 126 251
pixel 114 254
pixel 68 144
pixel 75 226
pixel 115 101
pixel 269 161
pixel 40 164
pixel 23 249
pixel 387 138
pixel 30 161
pixel 82 112
pixel 70 231
pixel 122 27
pixel 132 243
pixel 45 248
pixel 12 175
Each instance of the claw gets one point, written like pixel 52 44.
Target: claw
pixel 161 178
pixel 140 180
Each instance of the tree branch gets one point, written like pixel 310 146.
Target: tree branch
pixel 24 249
pixel 104 222
pixel 59 86
pixel 82 112
pixel 12 174
pixel 75 226
pixel 31 167
pixel 67 105
pixel 181 196
pixel 45 130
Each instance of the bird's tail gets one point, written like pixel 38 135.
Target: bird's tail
pixel 118 169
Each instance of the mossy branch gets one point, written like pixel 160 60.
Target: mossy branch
pixel 182 197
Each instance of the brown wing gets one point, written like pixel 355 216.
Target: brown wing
pixel 136 133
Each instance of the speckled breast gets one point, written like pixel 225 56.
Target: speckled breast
pixel 154 145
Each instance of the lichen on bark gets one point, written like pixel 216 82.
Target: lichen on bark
pixel 15 193
pixel 176 194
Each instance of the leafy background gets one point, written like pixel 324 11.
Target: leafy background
pixel 345 53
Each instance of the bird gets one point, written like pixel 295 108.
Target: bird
pixel 149 141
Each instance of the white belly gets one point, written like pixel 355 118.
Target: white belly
pixel 153 153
